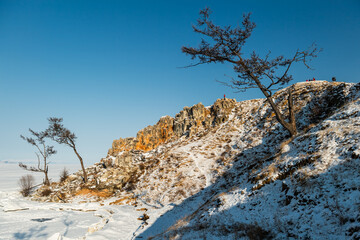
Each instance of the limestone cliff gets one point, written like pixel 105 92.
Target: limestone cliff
pixel 187 122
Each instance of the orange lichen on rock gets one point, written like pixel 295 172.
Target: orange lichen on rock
pixel 141 209
pixel 147 138
pixel 94 192
pixel 152 136
pixel 187 122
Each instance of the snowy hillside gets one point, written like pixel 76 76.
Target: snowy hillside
pixel 307 188
pixel 230 171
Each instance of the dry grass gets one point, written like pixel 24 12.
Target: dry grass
pixel 179 183
pixel 142 209
pixel 285 143
pixel 271 170
pixel 186 163
pixel 233 129
pixel 179 224
pixel 144 218
pixel 128 200
pixel 308 127
pixel 45 192
pixel 221 195
pixel 180 192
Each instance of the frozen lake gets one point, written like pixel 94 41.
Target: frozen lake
pixel 24 219
pixel 21 218
pixel 10 174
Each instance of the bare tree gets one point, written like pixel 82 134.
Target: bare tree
pixel 64 174
pixel 43 151
pixel 26 183
pixel 62 135
pixel 226 45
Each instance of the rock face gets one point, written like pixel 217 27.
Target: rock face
pixel 187 122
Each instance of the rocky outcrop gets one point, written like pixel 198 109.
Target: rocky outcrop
pixel 187 122
pixel 183 165
pixel 147 138
pixel 190 119
pixel 222 109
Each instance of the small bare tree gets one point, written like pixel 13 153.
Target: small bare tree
pixel 64 174
pixel 26 183
pixel 43 152
pixel 226 45
pixel 57 132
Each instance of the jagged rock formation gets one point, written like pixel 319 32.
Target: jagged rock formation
pixel 167 150
pixel 187 122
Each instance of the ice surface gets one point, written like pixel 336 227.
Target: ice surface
pixel 10 174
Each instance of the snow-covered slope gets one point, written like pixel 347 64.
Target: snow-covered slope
pixel 302 188
pixel 242 178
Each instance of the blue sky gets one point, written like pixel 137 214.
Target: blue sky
pixel 110 68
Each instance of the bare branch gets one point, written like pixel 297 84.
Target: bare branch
pixel 57 132
pixel 42 153
pixel 226 44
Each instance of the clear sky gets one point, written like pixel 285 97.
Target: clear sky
pixel 110 68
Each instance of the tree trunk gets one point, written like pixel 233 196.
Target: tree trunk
pixel 46 181
pixel 290 126
pixel 291 114
pixel 46 170
pixel 82 164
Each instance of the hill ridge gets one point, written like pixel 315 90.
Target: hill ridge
pixel 247 163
